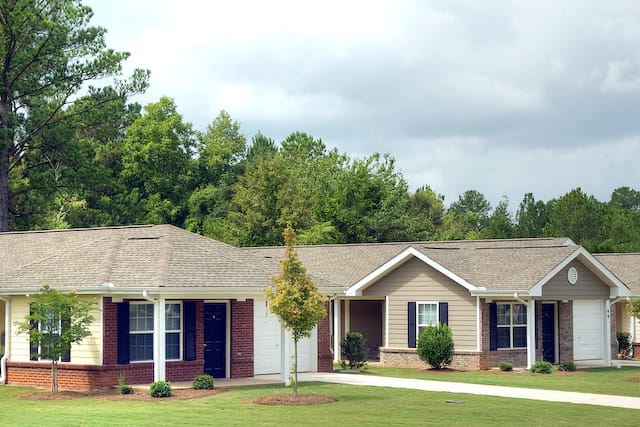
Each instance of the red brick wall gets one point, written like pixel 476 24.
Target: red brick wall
pixel 241 338
pixel 325 357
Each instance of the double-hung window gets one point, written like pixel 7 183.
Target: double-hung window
pixel 141 331
pixel 512 325
pixel 427 313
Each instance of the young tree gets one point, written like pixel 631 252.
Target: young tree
pixel 56 321
pixel 49 52
pixel 294 298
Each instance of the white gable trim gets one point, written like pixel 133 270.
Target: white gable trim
pixel 387 267
pixel 617 288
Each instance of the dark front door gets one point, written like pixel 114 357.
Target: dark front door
pixel 215 328
pixel 549 332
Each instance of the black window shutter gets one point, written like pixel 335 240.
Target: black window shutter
pixel 33 346
pixel 66 324
pixel 443 313
pixel 189 310
pixel 123 333
pixel 493 326
pixel 411 317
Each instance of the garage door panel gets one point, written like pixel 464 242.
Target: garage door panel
pixel 587 329
pixel 266 340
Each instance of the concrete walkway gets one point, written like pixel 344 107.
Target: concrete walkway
pixel 478 389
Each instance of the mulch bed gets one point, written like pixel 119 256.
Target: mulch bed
pixel 291 400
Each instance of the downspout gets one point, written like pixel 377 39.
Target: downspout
pixel 531 328
pixel 7 339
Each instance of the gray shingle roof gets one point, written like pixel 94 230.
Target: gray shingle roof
pixel 512 264
pixel 626 267
pixel 136 256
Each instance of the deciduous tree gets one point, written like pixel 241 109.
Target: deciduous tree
pixel 56 320
pixel 295 299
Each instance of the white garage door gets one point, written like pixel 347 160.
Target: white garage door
pixel 306 353
pixel 587 330
pixel 266 340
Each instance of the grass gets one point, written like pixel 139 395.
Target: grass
pixel 598 380
pixel 355 406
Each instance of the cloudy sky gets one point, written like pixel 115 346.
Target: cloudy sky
pixel 505 97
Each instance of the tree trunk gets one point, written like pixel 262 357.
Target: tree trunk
pixel 4 189
pixel 295 367
pixel 54 376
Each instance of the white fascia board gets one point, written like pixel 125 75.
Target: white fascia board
pixel 387 267
pixel 618 289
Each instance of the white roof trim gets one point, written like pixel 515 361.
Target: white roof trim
pixel 618 289
pixel 384 269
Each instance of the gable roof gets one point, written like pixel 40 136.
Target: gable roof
pixel 625 266
pixel 147 256
pixel 498 266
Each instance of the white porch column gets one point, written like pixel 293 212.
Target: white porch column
pixel 606 350
pixel 285 362
pixel 159 338
pixel 336 330
pixel 531 333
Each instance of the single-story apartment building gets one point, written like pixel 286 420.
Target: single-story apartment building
pixel 625 266
pixel 172 304
pixel 515 300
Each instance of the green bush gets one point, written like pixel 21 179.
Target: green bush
pixel 435 346
pixel 624 344
pixel 354 349
pixel 203 382
pixel 160 389
pixel 506 366
pixel 542 367
pixel 567 365
pixel 123 388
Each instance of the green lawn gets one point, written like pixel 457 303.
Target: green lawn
pixel 355 406
pixel 600 380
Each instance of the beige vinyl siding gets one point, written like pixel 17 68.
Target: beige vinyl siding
pixel 87 352
pixel 416 281
pixel 588 286
pixel 2 331
pixel 19 343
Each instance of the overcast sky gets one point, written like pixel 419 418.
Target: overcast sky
pixel 505 97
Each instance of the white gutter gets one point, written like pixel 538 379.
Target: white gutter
pixel 7 339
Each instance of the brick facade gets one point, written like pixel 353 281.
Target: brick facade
pixel 408 358
pixel 242 338
pixel 325 357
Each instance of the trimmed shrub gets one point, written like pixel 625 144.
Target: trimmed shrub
pixel 123 388
pixel 506 366
pixel 203 382
pixel 160 389
pixel 567 365
pixel 542 367
pixel 435 346
pixel 624 344
pixel 354 349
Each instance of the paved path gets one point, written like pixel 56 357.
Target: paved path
pixel 489 390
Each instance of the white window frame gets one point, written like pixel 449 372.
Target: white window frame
pixel 58 331
pixel 167 331
pixel 144 332
pixel 418 324
pixel 512 325
pixel 174 331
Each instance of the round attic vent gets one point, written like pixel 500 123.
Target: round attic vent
pixel 572 275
